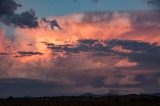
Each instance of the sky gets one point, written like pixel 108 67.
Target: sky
pixel 62 7
pixel 72 47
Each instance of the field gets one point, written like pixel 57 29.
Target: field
pixel 130 100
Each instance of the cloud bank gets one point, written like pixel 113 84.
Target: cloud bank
pixel 91 52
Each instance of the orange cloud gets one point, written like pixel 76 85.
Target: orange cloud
pixel 29 55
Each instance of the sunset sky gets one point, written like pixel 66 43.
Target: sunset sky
pixel 71 47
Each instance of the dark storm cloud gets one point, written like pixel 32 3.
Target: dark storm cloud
pixel 98 82
pixel 148 78
pixel 9 17
pixel 85 45
pixel 8 7
pixel 136 46
pixel 28 53
pixel 114 79
pixel 155 3
pixel 147 81
pixel 25 19
pixel 20 87
pixel 143 53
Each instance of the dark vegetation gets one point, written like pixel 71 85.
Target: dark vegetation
pixel 87 100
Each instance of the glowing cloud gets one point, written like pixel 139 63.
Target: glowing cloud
pixel 100 47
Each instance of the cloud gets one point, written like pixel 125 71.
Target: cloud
pixel 88 41
pixel 27 53
pixel 23 20
pixel 6 44
pixel 21 87
pixel 145 54
pixel 3 54
pixel 85 45
pixel 149 78
pixel 136 18
pixel 8 9
pixel 53 24
pixel 155 3
pixel 87 54
pixel 9 17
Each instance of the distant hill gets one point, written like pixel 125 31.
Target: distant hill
pixel 86 99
